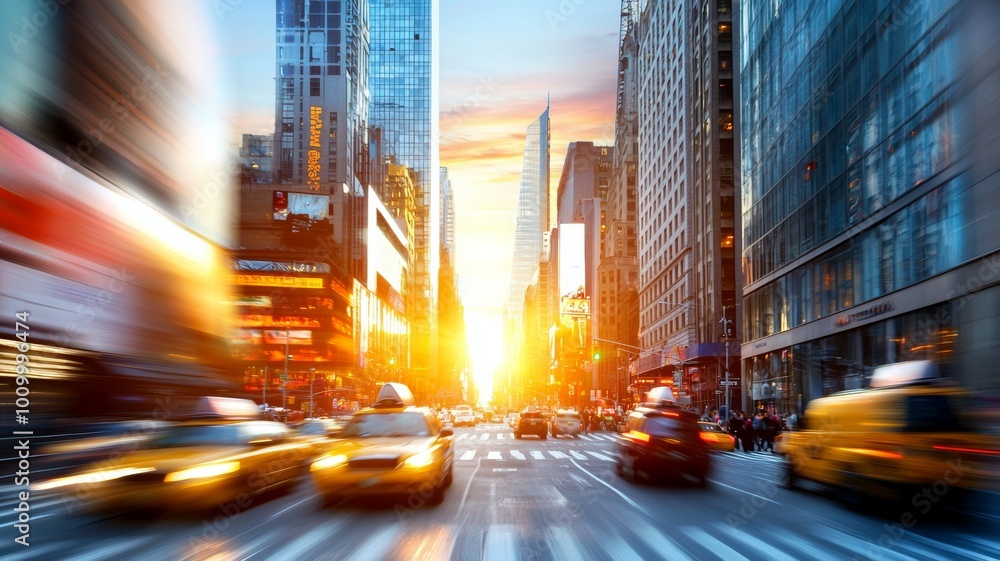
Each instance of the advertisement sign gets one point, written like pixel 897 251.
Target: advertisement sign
pixel 277 281
pixel 313 167
pixel 575 306
pixel 295 337
pixel 309 206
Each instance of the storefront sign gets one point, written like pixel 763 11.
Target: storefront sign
pixel 277 281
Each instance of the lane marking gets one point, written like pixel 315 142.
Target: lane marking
pixel 536 454
pixel 468 455
pixel 600 456
pixel 616 491
pixel 517 455
pixel 715 482
pixel 500 543
pixel 493 455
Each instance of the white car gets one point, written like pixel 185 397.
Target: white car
pixel 463 416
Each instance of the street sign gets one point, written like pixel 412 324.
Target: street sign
pixel 729 382
pixel 717 392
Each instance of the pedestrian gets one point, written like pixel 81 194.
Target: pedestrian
pixel 736 429
pixel 748 435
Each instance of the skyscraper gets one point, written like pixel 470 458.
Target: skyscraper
pixel 870 194
pixel 532 215
pixel 404 94
pixel 321 108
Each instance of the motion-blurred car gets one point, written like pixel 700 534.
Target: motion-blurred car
pixel 393 448
pixel 464 416
pixel 567 423
pixel 662 441
pixel 220 453
pixel 318 434
pixel 531 421
pixel 100 441
pixel 907 431
pixel 716 438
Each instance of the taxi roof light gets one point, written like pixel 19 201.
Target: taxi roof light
pixel 394 394
pixel 905 373
pixel 661 396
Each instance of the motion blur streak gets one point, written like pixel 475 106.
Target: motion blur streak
pixel 109 129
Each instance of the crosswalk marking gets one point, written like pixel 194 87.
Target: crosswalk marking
pixel 658 542
pixel 299 548
pixel 501 543
pixel 765 549
pixel 499 436
pixel 952 548
pixel 563 544
pixel 485 436
pixel 604 455
pixel 852 543
pixel 712 544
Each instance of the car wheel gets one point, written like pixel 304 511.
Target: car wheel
pixel 327 500
pixel 789 477
pixel 544 436
pixel 437 497
pixel 517 435
pixel 577 435
pixel 448 479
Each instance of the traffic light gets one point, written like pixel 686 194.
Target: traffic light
pixel 597 355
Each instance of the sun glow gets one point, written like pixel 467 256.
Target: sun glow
pixel 485 338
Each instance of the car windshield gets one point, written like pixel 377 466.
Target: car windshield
pixel 196 435
pixel 568 416
pixel 386 424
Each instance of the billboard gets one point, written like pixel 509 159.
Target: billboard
pixel 315 207
pixel 572 261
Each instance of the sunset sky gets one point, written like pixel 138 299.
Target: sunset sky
pixel 499 61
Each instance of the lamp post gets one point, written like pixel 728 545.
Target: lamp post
pixel 263 398
pixel 284 385
pixel 725 332
pixel 312 395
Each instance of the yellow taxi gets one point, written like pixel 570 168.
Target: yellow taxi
pixel 220 454
pixel 716 438
pixel 391 448
pixel 907 431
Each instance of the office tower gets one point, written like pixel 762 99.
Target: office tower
pixel 404 106
pixel 618 280
pixel 321 111
pixel 532 215
pixel 870 188
pixel 686 193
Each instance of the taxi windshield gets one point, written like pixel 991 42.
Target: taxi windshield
pixel 386 424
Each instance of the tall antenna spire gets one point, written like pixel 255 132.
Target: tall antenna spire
pixel 548 100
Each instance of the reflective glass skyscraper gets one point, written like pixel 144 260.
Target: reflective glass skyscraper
pixel 532 215
pixel 321 107
pixel 869 192
pixel 404 105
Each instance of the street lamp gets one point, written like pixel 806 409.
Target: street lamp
pixel 284 385
pixel 312 395
pixel 725 332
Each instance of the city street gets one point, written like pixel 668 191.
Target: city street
pixel 524 499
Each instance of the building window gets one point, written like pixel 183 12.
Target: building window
pixel 314 89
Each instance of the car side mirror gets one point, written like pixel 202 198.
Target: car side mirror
pixel 447 432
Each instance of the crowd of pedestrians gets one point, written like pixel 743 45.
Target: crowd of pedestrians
pixel 755 431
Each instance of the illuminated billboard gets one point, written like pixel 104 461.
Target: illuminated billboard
pixel 316 207
pixel 572 260
pixel 313 167
pixel 277 281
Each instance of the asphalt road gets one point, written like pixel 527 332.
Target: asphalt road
pixel 524 499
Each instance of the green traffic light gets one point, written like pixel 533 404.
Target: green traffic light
pixel 597 356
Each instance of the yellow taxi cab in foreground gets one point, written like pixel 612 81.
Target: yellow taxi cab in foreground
pixel 219 454
pixel 905 432
pixel 392 448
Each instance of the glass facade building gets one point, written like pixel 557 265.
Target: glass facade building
pixel 868 189
pixel 532 215
pixel 404 93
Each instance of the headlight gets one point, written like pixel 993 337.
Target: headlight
pixel 330 462
pixel 93 477
pixel 420 460
pixel 208 470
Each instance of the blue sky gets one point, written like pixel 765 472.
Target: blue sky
pixel 499 61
